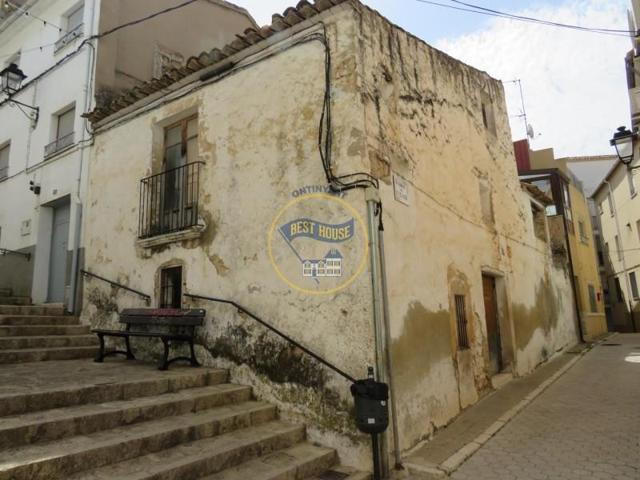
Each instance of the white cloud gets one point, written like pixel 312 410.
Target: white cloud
pixel 574 83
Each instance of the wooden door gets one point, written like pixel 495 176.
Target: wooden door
pixel 493 328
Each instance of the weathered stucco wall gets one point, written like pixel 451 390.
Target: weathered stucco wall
pixel 258 131
pixel 399 107
pixel 467 215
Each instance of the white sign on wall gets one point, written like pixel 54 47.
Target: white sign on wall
pixel 400 189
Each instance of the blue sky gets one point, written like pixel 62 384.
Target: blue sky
pixel 574 82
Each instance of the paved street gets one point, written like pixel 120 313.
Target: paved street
pixel 584 426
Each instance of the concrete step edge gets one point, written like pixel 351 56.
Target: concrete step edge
pixel 54 424
pixel 61 459
pixel 47 341
pixel 29 355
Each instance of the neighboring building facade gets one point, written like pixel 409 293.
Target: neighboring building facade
pixel 618 206
pixel 553 176
pixel 43 163
pixel 591 171
pixel 618 209
pixel 206 200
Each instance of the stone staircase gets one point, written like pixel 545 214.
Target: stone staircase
pixel 78 420
pixel 32 333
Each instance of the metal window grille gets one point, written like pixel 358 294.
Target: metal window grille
pixel 171 287
pixel 59 144
pixel 169 201
pixel 461 318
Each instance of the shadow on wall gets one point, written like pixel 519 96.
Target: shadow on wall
pixel 621 316
pixel 16 272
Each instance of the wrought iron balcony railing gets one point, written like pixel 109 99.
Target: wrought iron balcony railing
pixel 59 144
pixel 169 201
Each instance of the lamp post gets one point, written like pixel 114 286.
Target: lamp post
pixel 11 79
pixel 624 142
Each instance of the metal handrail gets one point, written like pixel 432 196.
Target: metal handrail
pixel 146 297
pixel 277 332
pixel 171 170
pixel 6 251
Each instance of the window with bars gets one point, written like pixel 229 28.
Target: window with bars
pixel 4 161
pixel 171 287
pixel 461 320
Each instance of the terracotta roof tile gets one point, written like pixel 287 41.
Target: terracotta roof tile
pixel 291 16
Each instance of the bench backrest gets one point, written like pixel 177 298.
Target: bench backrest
pixel 170 317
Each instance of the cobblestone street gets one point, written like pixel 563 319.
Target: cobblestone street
pixel 584 426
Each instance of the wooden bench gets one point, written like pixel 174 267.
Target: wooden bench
pixel 168 324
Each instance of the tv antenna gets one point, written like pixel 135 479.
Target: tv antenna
pixel 527 126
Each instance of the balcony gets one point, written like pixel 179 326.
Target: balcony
pixel 59 144
pixel 169 201
pixel 68 37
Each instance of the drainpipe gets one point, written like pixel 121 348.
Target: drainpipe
pixel 91 60
pixel 387 337
pixel 372 197
pixel 621 254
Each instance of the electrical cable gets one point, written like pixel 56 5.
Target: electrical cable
pixel 545 22
pixel 27 13
pixel 601 31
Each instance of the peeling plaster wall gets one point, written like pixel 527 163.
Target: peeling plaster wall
pixel 399 107
pixel 258 131
pixel 466 215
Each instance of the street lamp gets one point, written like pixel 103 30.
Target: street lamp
pixel 624 141
pixel 11 79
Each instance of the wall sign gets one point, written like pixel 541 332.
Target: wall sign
pixel 400 189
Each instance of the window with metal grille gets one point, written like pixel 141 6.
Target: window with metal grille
pixel 592 299
pixel 171 287
pixel 461 319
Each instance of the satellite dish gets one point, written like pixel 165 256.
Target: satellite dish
pixel 530 133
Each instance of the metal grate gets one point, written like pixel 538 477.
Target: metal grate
pixel 461 319
pixel 169 201
pixel 171 287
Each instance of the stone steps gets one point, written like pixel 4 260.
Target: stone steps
pixel 31 309
pixel 42 426
pixel 81 420
pixel 203 457
pixel 60 389
pixel 297 462
pixel 40 330
pixel 43 354
pixel 51 341
pixel 18 320
pixel 63 457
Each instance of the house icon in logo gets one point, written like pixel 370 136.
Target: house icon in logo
pixel 329 266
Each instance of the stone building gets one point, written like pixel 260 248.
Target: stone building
pixel 72 54
pixel 311 134
pixel 570 205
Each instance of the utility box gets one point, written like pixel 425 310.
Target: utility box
pixel 372 405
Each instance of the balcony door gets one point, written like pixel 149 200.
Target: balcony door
pixel 178 191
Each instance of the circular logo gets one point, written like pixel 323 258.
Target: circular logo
pixel 318 244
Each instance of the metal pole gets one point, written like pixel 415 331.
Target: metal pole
pixel 621 254
pixel 372 197
pixel 376 456
pixel 387 345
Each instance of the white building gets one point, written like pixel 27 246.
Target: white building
pixel 66 71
